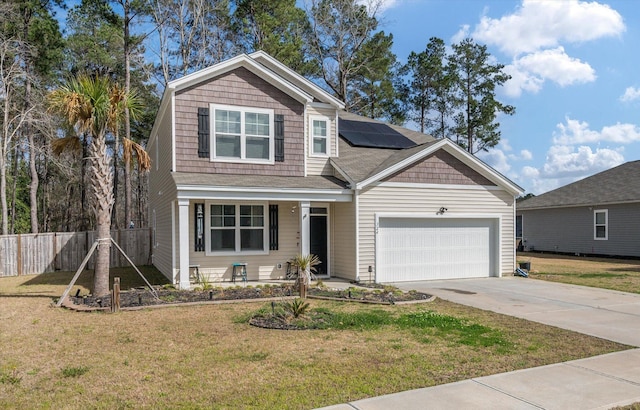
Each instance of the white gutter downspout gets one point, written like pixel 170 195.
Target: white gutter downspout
pixel 356 197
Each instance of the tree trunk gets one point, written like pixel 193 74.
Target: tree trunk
pixel 14 189
pixel 4 144
pixel 114 211
pixel 3 197
pixel 33 187
pixel 102 203
pixel 127 115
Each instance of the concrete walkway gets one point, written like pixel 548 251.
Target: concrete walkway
pixel 600 382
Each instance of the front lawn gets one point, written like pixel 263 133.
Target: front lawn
pixel 209 357
pixel 607 273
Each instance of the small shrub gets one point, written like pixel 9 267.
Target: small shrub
pixel 74 371
pixel 296 307
pixel 204 281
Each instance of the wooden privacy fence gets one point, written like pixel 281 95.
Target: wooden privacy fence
pixel 30 254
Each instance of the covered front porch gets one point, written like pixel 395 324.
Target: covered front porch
pixel 261 235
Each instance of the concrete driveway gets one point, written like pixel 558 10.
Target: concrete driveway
pixel 603 313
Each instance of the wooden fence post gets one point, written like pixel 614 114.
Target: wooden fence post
pixel 115 296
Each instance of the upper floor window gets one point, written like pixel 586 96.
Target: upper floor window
pixel 319 136
pixel 242 134
pixel 601 224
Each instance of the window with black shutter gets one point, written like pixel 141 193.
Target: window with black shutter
pixel 273 227
pixel 279 137
pixel 203 132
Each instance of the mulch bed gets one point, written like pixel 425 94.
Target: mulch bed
pixel 142 297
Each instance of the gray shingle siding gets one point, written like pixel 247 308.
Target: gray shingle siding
pixel 570 230
pixel 242 88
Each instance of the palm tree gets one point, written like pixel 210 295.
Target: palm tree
pixel 94 106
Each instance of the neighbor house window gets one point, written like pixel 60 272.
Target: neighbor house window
pixel 319 136
pixel 242 134
pixel 237 228
pixel 600 224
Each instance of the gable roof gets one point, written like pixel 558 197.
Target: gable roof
pixel 297 79
pixel 250 64
pixel 616 185
pixel 364 166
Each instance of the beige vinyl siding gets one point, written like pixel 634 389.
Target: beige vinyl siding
pixel 162 191
pixel 242 88
pixel 428 200
pixel 260 267
pixel 320 165
pixel 343 240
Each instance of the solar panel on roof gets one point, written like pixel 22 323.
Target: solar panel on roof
pixel 372 135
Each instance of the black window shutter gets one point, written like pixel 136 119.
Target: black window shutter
pixel 203 132
pixel 198 228
pixel 273 227
pixel 279 137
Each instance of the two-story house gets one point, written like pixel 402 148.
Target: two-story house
pixel 252 163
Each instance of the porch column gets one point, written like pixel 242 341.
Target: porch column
pixel 183 229
pixel 304 228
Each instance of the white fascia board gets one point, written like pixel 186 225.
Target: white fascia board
pixel 264 194
pixel 245 61
pixel 301 81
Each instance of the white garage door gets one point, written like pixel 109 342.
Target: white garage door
pixel 410 249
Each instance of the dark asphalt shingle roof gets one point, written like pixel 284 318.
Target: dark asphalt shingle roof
pixel 361 163
pixel 616 185
pixel 258 181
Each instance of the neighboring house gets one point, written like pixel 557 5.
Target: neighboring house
pixel 599 215
pixel 253 163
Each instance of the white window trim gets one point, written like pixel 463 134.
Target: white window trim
pixel 207 238
pixel 243 136
pixel 327 120
pixel 606 224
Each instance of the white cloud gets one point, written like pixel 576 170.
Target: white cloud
pixel 461 34
pixel 630 94
pixel 529 72
pixel 379 6
pixel 539 24
pixel 526 155
pixel 500 157
pixel 533 36
pixel 566 164
pixel 497 159
pixel 567 161
pixel 578 132
pixel 521 81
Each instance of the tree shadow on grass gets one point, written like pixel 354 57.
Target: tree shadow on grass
pixel 129 278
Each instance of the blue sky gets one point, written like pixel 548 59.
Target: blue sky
pixel 575 69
